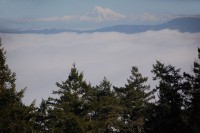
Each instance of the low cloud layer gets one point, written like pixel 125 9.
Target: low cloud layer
pixel 41 60
pixel 100 14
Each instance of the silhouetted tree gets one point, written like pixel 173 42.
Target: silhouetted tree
pixel 107 108
pixel 69 112
pixel 14 115
pixel 193 92
pixel 166 116
pixel 135 97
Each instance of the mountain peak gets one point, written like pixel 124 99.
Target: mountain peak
pixel 101 14
pixel 107 13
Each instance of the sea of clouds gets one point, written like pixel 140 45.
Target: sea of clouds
pixel 42 60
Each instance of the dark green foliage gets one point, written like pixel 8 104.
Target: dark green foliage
pixel 135 98
pixel 41 118
pixel 69 112
pixel 14 115
pixel 108 107
pixel 166 114
pixel 7 78
pixel 193 91
pixel 79 107
pixel 195 100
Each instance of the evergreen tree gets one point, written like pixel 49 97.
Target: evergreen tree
pixel 14 115
pixel 69 112
pixel 166 116
pixel 193 92
pixel 195 101
pixel 41 118
pixel 107 108
pixel 135 97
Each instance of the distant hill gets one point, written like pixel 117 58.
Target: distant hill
pixel 187 24
pixel 182 24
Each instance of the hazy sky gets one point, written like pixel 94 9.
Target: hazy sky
pixel 41 60
pixel 80 13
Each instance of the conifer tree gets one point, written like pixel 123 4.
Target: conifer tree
pixel 14 115
pixel 108 108
pixel 69 112
pixel 135 97
pixel 41 118
pixel 193 92
pixel 166 116
pixel 195 101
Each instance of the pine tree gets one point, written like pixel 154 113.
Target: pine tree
pixel 107 108
pixel 41 118
pixel 167 114
pixel 195 101
pixel 14 115
pixel 193 92
pixel 69 112
pixel 135 97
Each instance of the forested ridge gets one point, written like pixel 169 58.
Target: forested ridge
pixel 79 107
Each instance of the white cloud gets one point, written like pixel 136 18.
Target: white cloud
pixel 153 18
pixel 101 14
pixel 57 19
pixel 98 14
pixel 41 60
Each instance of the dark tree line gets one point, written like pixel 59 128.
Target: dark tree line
pixel 79 107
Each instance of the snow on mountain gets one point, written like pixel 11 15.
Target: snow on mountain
pixel 100 14
pixel 186 24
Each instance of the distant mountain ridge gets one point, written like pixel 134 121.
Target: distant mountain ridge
pixel 187 24
pixel 181 24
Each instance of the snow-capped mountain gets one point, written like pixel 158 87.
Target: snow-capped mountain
pixel 100 14
pixel 187 24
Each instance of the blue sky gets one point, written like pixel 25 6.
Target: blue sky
pixel 41 60
pixel 28 14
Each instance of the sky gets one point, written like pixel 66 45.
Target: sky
pixel 41 60
pixel 38 14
